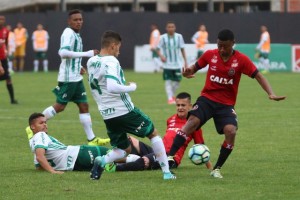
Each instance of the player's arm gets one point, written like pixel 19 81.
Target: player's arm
pixel 184 57
pixel 40 157
pixel 1 69
pixel 189 72
pixel 195 37
pixel 114 87
pixel 66 53
pixel 267 87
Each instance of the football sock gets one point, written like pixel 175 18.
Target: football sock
pixel 175 86
pixel 49 112
pixel 168 88
pixel 113 155
pixel 86 121
pixel 11 92
pixel 225 151
pixel 35 65
pixel 178 141
pixel 160 153
pixel 45 65
pixel 137 165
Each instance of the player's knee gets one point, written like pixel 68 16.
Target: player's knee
pixel 230 130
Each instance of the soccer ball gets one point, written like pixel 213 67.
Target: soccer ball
pixel 199 154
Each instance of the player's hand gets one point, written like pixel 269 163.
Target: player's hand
pixel 82 71
pixel 96 51
pixel 276 98
pixel 57 172
pixel 163 59
pixel 188 72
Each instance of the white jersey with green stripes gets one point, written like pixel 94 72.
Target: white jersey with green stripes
pixel 69 69
pixel 109 104
pixel 59 156
pixel 170 47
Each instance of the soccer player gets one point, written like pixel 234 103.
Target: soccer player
pixel 218 96
pixel 40 39
pixel 153 42
pixel 171 44
pixel 53 156
pixel 264 47
pixel 11 48
pixel 200 38
pixel 5 75
pixel 70 85
pixel 109 89
pixel 21 36
pixel 175 122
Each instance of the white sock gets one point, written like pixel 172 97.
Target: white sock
pixel 86 121
pixel 160 153
pixel 10 65
pixel 114 154
pixel 49 112
pixel 45 65
pixel 36 65
pixel 175 86
pixel 168 87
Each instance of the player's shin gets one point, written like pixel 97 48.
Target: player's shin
pixel 225 151
pixel 178 141
pixel 160 153
pixel 113 155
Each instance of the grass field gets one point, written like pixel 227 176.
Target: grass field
pixel 263 165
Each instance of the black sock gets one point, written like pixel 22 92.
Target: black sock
pixel 137 165
pixel 178 141
pixel 11 92
pixel 224 153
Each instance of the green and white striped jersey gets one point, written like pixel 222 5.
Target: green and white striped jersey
pixel 69 69
pixel 171 47
pixel 110 105
pixel 59 156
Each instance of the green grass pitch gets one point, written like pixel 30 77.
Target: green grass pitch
pixel 263 165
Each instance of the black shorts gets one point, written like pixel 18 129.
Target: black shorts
pixel 6 75
pixel 205 109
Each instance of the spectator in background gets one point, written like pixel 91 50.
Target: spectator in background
pixel 264 47
pixel 21 36
pixel 11 48
pixel 40 39
pixel 4 73
pixel 153 42
pixel 200 38
pixel 171 45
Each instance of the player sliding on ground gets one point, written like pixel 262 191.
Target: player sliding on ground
pixel 110 91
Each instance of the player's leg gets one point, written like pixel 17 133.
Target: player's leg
pixel 7 78
pixel 168 86
pixel 45 61
pixel 226 123
pixel 36 62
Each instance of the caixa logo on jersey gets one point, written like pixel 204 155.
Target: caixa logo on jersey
pixel 221 80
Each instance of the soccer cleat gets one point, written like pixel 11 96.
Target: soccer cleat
pixel 169 176
pixel 172 163
pixel 171 101
pixel 97 141
pixel 216 173
pixel 97 169
pixel 110 167
pixel 29 132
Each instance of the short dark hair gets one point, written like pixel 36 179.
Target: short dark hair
pixel 225 35
pixel 75 11
pixel 183 95
pixel 109 37
pixel 34 116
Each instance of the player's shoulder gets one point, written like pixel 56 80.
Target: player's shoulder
pixel 68 31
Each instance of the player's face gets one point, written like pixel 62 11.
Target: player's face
pixel 225 47
pixel 75 22
pixel 39 124
pixel 116 49
pixel 171 28
pixel 183 106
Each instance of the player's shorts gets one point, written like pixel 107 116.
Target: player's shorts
pixel 86 156
pixel 154 54
pixel 134 122
pixel 6 74
pixel 263 55
pixel 40 55
pixel 70 92
pixel 205 109
pixel 20 50
pixel 172 74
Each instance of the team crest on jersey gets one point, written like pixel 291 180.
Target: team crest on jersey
pixel 214 59
pixel 234 63
pixel 231 72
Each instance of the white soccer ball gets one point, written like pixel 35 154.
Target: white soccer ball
pixel 199 154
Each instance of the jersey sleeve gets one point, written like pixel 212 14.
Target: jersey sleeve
pixel 66 39
pixel 181 41
pixel 41 140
